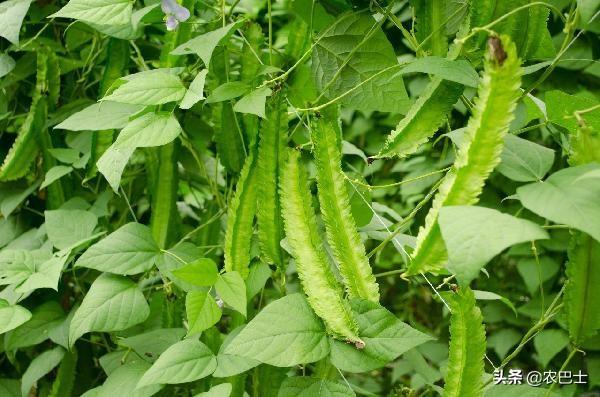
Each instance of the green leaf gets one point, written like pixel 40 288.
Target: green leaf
pixel 105 115
pixel 548 343
pixel 202 272
pixel 13 198
pixel 533 274
pixel 103 12
pixel 45 274
pixel 229 364
pixel 128 250
pixel 185 361
pixel 567 198
pixel 113 303
pixel 65 155
pixel 39 367
pixel 12 316
pixel 561 108
pixel 581 294
pixel 222 390
pixel 385 338
pixel 303 386
pixel 464 377
pixel 372 65
pixel 123 381
pixel 67 227
pixel 153 343
pixel 202 311
pixel 12 13
pixel 232 289
pixel 195 92
pixel 203 45
pixel 283 334
pixel 149 130
pixel 458 71
pixel 227 91
pixel 523 160
pixel 260 272
pixel 474 235
pixel 7 64
pixel 254 102
pixel 10 387
pixel 112 163
pixel 45 317
pixel 149 89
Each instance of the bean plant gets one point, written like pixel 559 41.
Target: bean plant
pixel 299 198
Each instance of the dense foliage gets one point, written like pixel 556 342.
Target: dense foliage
pixel 293 198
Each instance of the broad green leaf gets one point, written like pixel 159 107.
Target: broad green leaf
pixel 533 274
pixel 566 198
pixel 39 367
pixel 195 92
pixel 45 274
pixel 113 303
pixel 67 227
pixel 44 318
pixel 128 250
pixel 103 12
pixel 458 71
pixel 222 390
pixel 14 197
pixel 17 265
pixel 561 108
pixel 185 361
pixel 7 64
pixel 227 91
pixel 492 296
pixel 124 379
pixel 65 155
pixel 151 129
pixel 581 294
pixel 203 45
pixel 232 289
pixel 112 163
pixel 285 333
pixel 254 102
pixel 202 272
pixel 150 89
pixel 385 338
pixel 152 344
pixel 167 263
pixel 548 343
pixel 503 340
pixel 229 364
pixel 303 386
pixel 523 160
pixel 474 235
pixel 11 316
pixel 260 272
pixel 202 311
pixel 464 377
pixel 368 77
pixel 10 387
pixel 12 13
pixel 105 115
pixel 127 31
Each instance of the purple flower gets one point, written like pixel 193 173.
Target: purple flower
pixel 175 13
